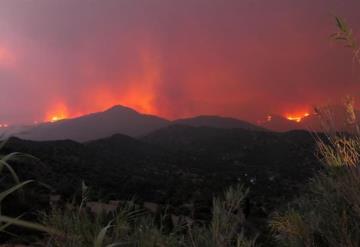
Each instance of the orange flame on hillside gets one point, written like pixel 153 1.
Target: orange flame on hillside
pixel 297 117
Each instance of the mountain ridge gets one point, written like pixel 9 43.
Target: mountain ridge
pixel 121 120
pixel 127 121
pixel 218 122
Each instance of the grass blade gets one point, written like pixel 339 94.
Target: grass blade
pixel 29 225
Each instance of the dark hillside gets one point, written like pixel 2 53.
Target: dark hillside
pixel 177 164
pixel 273 164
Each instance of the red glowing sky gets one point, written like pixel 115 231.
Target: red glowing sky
pixel 174 58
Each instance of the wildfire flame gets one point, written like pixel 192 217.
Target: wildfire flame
pixel 297 117
pixel 138 92
pixel 57 113
pixel 56 118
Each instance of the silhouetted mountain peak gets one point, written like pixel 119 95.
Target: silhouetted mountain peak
pixel 121 109
pixel 116 120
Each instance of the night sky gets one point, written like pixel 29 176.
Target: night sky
pixel 172 58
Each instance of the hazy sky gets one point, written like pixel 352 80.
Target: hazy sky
pixel 174 58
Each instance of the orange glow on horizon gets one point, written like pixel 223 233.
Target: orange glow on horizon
pixel 297 117
pixel 139 91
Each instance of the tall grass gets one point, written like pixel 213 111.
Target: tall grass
pixel 130 225
pixel 328 215
pixel 347 37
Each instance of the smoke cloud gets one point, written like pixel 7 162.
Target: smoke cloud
pixel 245 59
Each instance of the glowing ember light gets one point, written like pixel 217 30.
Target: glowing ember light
pixel 59 112
pixel 4 125
pixel 56 118
pixel 297 117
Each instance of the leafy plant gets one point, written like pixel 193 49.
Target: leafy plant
pixel 5 221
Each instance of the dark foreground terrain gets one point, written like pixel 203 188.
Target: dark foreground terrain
pixel 177 165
